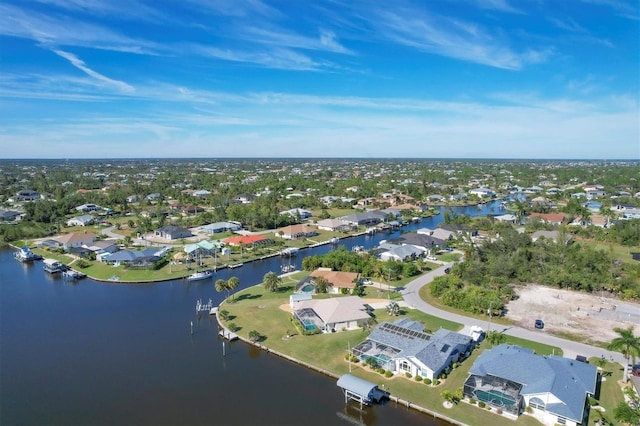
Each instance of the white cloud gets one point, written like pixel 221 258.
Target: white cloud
pixel 78 63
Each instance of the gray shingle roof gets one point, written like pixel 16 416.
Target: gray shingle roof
pixel 567 379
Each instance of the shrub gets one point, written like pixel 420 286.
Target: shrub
pixel 232 326
pixel 456 364
pixel 417 378
pixel 593 402
pixel 380 370
pixel 388 374
pixel 406 373
pixel 481 404
pixel 427 381
pixel 223 315
pixel 488 407
pixel 528 409
pixel 472 401
pixel 436 382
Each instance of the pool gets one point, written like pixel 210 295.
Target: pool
pixel 495 398
pixel 308 288
pixel 309 325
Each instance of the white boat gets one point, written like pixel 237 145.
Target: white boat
pixel 235 265
pixel 334 240
pixel 200 275
pixel 26 255
pixel 73 275
pixel 290 251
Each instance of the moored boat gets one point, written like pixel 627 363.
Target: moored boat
pixel 26 255
pixel 200 275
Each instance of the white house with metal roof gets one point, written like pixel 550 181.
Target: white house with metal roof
pixel 404 347
pixel 512 377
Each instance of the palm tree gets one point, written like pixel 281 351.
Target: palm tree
pixel 393 309
pixel 232 284
pixel 322 284
pixel 271 281
pixel 221 285
pixel 627 344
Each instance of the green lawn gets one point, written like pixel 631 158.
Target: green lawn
pixel 609 393
pixel 257 309
pixel 619 251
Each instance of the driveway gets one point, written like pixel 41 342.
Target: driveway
pixel 570 348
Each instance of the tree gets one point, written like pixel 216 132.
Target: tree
pixel 322 284
pixel 232 284
pixel 221 285
pixel 627 344
pixel 628 411
pixel 254 336
pixel 496 338
pixel 271 281
pixel 393 309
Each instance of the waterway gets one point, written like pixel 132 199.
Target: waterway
pixel 104 353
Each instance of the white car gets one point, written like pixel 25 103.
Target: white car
pixel 432 258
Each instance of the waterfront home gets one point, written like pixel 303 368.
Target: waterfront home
pixel 506 218
pixel 84 220
pixel 439 233
pixel 460 229
pixel 511 378
pixel 424 242
pixel 172 232
pixel 138 258
pixel 295 232
pixel 248 240
pixel 402 253
pixel 50 244
pixel 333 225
pixel 76 239
pixel 331 315
pixel 404 347
pixel 483 192
pixel 340 281
pixel 202 248
pixel 367 218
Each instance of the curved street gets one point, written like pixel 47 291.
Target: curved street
pixel 570 349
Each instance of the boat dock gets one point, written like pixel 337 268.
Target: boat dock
pixel 226 334
pixel 72 274
pixel 53 266
pixel 206 307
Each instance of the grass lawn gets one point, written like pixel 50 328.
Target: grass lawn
pixel 449 257
pixel 256 309
pixel 609 393
pixel 619 251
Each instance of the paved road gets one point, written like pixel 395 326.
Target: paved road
pixel 570 348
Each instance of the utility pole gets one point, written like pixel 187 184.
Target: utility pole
pixel 490 314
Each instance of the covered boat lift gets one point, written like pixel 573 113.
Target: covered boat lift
pixel 360 390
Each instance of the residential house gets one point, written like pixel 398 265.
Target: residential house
pixel 248 240
pixel 245 198
pixel 84 220
pixel 135 258
pixel 550 235
pixel 25 195
pixel 294 232
pixel 402 253
pixel 555 218
pixel 340 281
pixel 298 213
pixel 9 215
pixel 201 193
pixel 217 227
pixel 512 378
pixel 133 198
pixel 507 218
pixel 483 192
pixel 172 232
pixel 88 208
pixel 404 347
pixel 424 242
pixel 460 229
pixel 362 219
pixel 439 233
pixel 103 248
pixel 76 239
pixel 333 225
pixel 331 315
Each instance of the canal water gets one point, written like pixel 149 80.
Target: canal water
pixel 102 354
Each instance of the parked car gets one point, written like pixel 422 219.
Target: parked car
pixel 431 257
pixel 582 358
pixel 539 324
pixel 447 270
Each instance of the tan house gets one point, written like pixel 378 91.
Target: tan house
pixel 294 232
pixel 338 279
pixel 76 239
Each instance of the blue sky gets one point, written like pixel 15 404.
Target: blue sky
pixel 234 78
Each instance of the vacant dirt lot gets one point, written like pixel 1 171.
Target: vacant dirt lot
pixel 570 312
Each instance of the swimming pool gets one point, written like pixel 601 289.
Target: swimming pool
pixel 307 288
pixel 495 398
pixel 309 325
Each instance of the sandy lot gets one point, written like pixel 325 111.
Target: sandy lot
pixel 569 312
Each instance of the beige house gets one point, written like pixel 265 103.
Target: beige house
pixel 76 239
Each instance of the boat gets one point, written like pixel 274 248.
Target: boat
pixel 289 251
pixel 200 275
pixel 235 265
pixel 334 240
pixel 73 275
pixel 288 268
pixel 53 266
pixel 26 255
